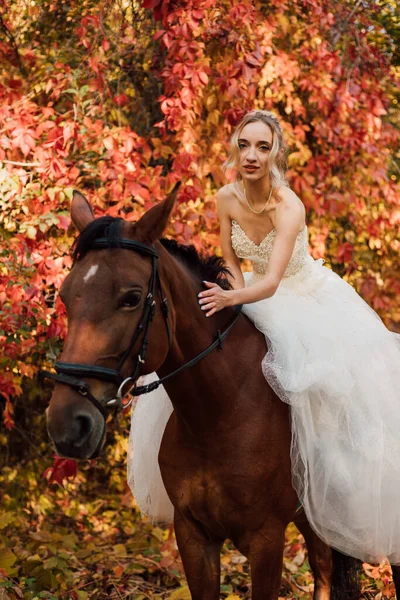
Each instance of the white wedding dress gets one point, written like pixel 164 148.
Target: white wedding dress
pixel 338 367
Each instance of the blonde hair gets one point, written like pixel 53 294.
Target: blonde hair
pixel 277 157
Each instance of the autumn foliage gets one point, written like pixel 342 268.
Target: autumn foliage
pixel 123 99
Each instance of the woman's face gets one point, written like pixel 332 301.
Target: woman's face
pixel 255 143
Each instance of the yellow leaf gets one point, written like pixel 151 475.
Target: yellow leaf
pixel 34 558
pixel 6 518
pixel 120 550
pixel 233 597
pixel 336 181
pixel 283 22
pixel 213 117
pixel 158 534
pixel 68 191
pixel 225 559
pixel 31 232
pixel 7 559
pixel 182 593
pixel 211 102
pixel 300 157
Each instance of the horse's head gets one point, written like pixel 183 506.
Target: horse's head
pixel 114 304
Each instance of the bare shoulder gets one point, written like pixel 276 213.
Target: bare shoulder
pixel 225 196
pixel 289 207
pixel 227 192
pixel 285 194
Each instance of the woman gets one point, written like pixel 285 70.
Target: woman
pixel 330 356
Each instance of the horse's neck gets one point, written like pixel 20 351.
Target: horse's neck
pixel 207 392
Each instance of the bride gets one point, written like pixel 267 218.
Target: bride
pixel 330 358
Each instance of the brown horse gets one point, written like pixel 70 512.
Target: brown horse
pixel 225 454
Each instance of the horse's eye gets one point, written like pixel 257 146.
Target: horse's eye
pixel 130 300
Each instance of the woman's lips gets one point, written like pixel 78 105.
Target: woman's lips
pixel 251 169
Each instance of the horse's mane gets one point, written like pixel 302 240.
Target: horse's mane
pixel 209 268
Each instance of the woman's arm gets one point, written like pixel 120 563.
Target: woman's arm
pixel 289 218
pixel 231 260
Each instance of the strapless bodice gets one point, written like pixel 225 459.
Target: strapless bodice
pixel 259 254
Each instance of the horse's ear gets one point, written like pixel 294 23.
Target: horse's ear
pixel 81 211
pixel 151 226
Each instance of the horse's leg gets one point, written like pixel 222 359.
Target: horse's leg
pixel 319 557
pixel 265 553
pixel 337 576
pixel 200 557
pixel 396 578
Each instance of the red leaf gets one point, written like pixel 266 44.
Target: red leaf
pixel 252 60
pixel 198 14
pixel 203 77
pixel 150 3
pixel 121 99
pixel 345 252
pixel 158 34
pixel 7 415
pixel 68 132
pixel 64 222
pixel 118 570
pixel 62 469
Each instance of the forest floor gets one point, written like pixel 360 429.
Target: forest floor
pixel 70 547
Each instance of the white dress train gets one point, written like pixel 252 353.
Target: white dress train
pixel 148 419
pixel 338 367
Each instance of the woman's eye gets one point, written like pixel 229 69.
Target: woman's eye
pixel 265 148
pixel 130 300
pixel 242 146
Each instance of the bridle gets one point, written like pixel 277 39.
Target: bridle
pixel 70 373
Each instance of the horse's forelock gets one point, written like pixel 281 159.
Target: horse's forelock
pixel 108 227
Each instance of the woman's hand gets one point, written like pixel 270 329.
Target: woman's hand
pixel 215 298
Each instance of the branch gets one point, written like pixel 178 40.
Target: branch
pixel 21 164
pixel 343 26
pixel 353 11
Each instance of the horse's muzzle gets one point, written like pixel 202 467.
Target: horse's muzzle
pixel 81 436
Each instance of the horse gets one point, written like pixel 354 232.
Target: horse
pixel 132 309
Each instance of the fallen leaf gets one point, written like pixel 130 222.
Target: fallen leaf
pixel 182 593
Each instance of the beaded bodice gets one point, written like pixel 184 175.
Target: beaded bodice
pixel 259 254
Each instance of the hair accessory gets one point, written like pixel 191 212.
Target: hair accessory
pixel 269 115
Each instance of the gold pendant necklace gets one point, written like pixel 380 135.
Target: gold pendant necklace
pixel 257 212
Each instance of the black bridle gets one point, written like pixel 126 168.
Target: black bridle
pixel 70 373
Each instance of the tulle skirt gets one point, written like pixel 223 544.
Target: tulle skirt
pixel 338 367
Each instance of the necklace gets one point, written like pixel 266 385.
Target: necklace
pixel 257 212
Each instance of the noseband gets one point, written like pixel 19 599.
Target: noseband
pixel 70 373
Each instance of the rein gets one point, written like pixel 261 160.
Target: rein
pixel 70 373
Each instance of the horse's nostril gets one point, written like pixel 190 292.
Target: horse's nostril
pixel 85 427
